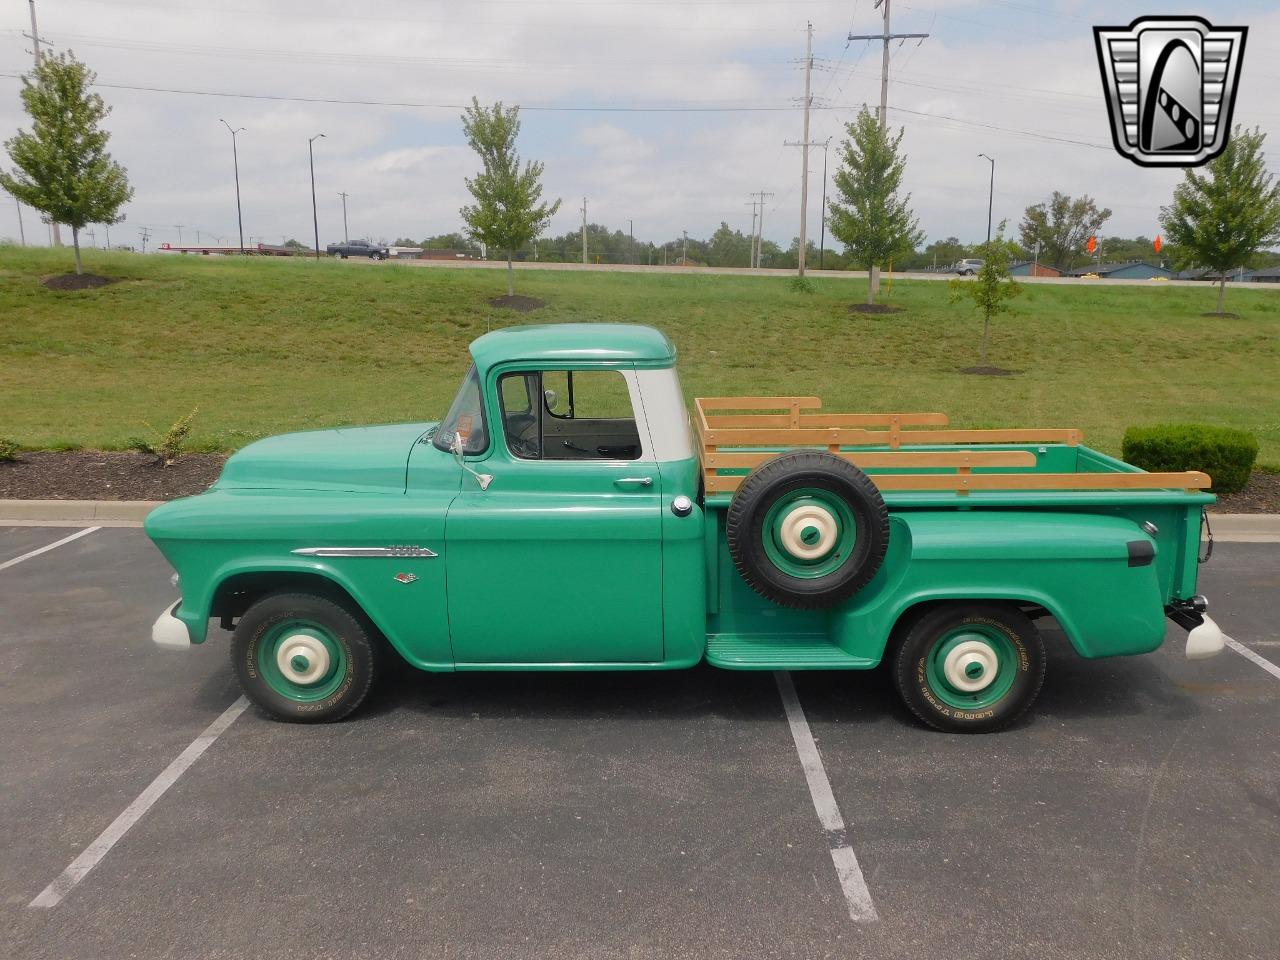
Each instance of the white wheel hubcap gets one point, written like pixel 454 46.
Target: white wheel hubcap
pixel 971 666
pixel 812 523
pixel 302 659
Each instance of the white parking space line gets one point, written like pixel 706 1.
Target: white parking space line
pixel 52 895
pixel 1248 654
pixel 45 549
pixel 854 885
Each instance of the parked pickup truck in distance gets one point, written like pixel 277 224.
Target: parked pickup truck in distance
pixel 358 248
pixel 567 514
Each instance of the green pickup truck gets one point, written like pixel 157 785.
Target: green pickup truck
pixel 569 513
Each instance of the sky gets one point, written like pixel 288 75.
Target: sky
pixel 667 113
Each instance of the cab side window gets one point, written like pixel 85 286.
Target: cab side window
pixel 569 415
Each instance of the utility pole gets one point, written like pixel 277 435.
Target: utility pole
pixel 22 232
pixel 107 228
pixel 235 158
pixel 631 229
pixel 178 227
pixel 584 229
pixel 992 195
pixel 751 258
pixel 146 235
pixel 315 220
pixel 759 245
pixel 35 52
pixel 804 146
pixel 886 36
pixel 822 248
pixel 345 237
pixel 684 249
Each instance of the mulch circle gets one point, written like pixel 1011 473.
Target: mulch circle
pixel 517 303
pixel 76 281
pixel 988 371
pixel 99 475
pixel 1221 316
pixel 1260 495
pixel 873 308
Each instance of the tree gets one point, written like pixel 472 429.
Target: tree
pixel 507 213
pixel 729 248
pixel 868 217
pixel 1061 227
pixel 992 288
pixel 62 167
pixel 1222 217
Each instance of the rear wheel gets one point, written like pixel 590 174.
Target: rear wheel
pixel 969 667
pixel 304 658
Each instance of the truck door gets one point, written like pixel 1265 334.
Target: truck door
pixel 559 560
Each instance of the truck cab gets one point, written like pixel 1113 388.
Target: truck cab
pixel 568 513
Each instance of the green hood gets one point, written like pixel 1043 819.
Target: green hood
pixel 368 459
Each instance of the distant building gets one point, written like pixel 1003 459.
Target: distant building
pixel 1265 275
pixel 1133 270
pixel 1028 268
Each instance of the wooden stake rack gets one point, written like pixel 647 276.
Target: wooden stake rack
pixel 776 423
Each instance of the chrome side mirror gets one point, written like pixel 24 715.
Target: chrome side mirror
pixel 484 479
pixel 550 396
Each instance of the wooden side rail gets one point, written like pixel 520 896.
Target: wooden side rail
pixel 899 459
pixel 963 482
pixel 854 437
pixel 798 426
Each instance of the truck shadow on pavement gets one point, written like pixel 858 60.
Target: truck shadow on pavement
pixel 1074 689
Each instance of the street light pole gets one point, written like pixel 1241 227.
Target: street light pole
pixel 631 228
pixel 235 159
pixel 991 195
pixel 345 237
pixel 315 220
pixel 22 232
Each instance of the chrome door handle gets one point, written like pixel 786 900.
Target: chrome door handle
pixel 638 481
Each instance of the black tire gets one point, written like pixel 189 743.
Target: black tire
pixel 922 685
pixel 858 557
pixel 348 630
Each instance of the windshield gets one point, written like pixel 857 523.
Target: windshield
pixel 465 419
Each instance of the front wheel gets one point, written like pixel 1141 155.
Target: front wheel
pixel 304 658
pixel 969 667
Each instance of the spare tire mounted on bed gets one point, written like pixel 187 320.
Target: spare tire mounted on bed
pixel 807 529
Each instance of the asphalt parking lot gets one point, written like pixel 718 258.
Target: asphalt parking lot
pixel 1136 814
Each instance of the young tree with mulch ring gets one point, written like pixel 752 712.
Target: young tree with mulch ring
pixel 62 166
pixel 507 213
pixel 991 290
pixel 868 217
pixel 1223 217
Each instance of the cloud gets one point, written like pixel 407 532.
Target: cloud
pixel 989 74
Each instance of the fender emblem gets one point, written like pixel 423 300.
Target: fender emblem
pixel 406 577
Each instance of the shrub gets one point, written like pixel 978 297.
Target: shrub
pixel 1225 454
pixel 8 449
pixel 168 448
pixel 173 442
pixel 801 285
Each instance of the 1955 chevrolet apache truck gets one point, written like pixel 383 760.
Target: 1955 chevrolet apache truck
pixel 567 515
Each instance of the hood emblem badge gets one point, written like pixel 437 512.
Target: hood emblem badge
pixel 406 577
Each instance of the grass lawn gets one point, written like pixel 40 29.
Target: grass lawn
pixel 268 345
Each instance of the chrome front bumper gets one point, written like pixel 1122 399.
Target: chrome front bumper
pixel 169 632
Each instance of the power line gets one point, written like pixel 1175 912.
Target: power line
pixel 579 108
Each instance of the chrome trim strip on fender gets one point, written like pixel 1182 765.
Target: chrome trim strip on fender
pixel 395 551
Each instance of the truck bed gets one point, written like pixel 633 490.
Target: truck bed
pixel 916 460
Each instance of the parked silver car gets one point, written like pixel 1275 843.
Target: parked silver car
pixel 967 268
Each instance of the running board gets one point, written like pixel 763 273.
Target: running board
pixel 734 652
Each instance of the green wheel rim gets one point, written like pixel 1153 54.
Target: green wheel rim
pixel 786 539
pixel 978 654
pixel 316 662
